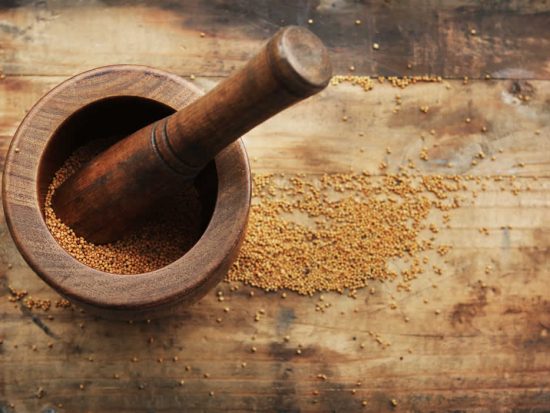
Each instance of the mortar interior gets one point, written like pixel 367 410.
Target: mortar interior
pixel 112 119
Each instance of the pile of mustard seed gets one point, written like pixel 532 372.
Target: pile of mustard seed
pixel 159 241
pixel 338 232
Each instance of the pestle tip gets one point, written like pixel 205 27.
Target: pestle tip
pixel 299 60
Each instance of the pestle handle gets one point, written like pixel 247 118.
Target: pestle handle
pixel 120 185
pixel 292 66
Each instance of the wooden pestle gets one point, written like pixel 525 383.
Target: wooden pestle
pixel 117 188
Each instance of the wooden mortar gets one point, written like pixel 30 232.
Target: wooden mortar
pixel 113 101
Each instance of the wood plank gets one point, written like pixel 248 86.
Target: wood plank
pixel 518 128
pixel 488 349
pixel 511 38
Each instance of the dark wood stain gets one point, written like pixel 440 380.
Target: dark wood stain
pixel 286 352
pixel 512 310
pixel 285 318
pixel 315 155
pixel 538 257
pixel 512 37
pixel 284 399
pixel 522 88
pixel 536 328
pixel 336 397
pixel 464 313
pixel 4 290
pixel 37 321
pixel 11 4
pixel 11 29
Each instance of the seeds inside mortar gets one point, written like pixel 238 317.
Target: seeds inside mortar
pixel 160 240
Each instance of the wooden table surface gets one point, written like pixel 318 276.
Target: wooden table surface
pixel 487 350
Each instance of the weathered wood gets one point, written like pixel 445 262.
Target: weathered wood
pixel 488 350
pixel 511 38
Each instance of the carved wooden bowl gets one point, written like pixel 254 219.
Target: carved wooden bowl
pixel 115 101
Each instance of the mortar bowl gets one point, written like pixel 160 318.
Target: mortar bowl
pixel 115 101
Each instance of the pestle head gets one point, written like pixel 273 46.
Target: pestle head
pixel 299 60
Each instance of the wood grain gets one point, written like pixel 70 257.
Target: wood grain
pixel 488 350
pixel 512 37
